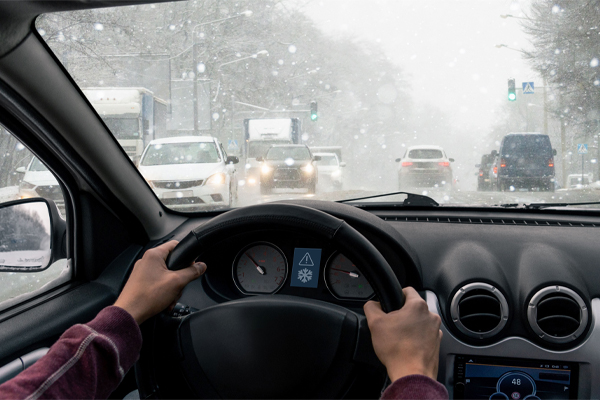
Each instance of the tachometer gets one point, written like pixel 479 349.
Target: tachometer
pixel 345 281
pixel 260 268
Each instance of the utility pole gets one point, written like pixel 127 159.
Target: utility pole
pixel 563 141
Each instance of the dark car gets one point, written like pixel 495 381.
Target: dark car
pixel 484 180
pixel 526 161
pixel 288 166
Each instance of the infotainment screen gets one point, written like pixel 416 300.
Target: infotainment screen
pixel 514 379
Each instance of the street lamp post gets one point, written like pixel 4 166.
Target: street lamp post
pixel 246 13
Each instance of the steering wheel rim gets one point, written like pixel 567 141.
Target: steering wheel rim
pixel 196 343
pixel 298 218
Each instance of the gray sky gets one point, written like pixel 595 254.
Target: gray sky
pixel 447 48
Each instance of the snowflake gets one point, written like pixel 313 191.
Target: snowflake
pixel 305 275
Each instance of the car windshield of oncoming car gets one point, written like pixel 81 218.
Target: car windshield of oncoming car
pixel 282 153
pixel 36 165
pixel 180 153
pixel 425 153
pixel 123 128
pixel 377 86
pixel 328 160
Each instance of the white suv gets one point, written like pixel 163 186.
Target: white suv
pixel 190 173
pixel 38 181
pixel 425 166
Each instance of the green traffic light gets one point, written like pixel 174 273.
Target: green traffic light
pixel 313 117
pixel 512 96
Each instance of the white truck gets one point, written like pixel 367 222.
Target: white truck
pixel 260 135
pixel 133 114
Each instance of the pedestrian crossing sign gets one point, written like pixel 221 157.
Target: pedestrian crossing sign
pixel 527 87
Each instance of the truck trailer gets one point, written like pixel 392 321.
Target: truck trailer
pixel 133 114
pixel 260 135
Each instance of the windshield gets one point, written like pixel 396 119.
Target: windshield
pixel 327 160
pixel 259 149
pixel 282 153
pixel 425 153
pixel 123 128
pixel 36 165
pixel 180 153
pixel 506 93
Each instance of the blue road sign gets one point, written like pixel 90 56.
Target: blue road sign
pixel 305 270
pixel 582 148
pixel 232 145
pixel 528 88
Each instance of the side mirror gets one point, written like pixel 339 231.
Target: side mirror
pixel 554 152
pixel 33 235
pixel 232 160
pixel 316 158
pixel 342 164
pixel 451 159
pixel 398 159
pixel 494 153
pixel 260 159
pixel 21 170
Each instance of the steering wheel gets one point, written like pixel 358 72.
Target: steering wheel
pixel 270 346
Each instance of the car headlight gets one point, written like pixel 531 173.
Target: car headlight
pixel 216 179
pixel 265 169
pixel 308 168
pixel 26 185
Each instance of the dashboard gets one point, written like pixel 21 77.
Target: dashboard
pixel 518 293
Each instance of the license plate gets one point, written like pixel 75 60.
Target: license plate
pixel 178 194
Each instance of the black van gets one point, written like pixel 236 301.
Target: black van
pixel 526 160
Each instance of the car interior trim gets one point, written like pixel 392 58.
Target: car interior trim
pixel 587 354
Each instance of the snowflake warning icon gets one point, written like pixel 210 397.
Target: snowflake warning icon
pixel 305 275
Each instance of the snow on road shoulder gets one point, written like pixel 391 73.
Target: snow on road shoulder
pixel 9 193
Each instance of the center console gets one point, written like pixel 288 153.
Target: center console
pixel 496 378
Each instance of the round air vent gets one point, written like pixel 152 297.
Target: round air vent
pixel 479 310
pixel 557 314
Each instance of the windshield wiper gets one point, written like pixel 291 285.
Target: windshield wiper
pixel 411 199
pixel 539 206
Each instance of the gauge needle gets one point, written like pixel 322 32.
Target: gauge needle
pixel 352 274
pixel 260 269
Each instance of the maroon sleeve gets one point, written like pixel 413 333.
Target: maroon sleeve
pixel 87 362
pixel 415 387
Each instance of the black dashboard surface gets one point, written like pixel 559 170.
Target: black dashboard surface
pixel 517 253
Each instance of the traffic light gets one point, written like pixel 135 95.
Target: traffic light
pixel 512 92
pixel 313 111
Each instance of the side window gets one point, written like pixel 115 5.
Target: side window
pixel 224 152
pixel 24 176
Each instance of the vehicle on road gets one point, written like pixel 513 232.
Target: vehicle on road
pixel 579 181
pixel 288 166
pixel 190 173
pixel 526 161
pixel 260 135
pixel 484 179
pixel 134 115
pixel 38 181
pixel 330 169
pixel 425 166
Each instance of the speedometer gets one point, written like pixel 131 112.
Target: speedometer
pixel 260 268
pixel 345 281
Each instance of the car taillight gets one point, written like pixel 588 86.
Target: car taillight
pixel 444 164
pixel 480 173
pixel 406 163
pixel 551 162
pixel 495 169
pixel 503 163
